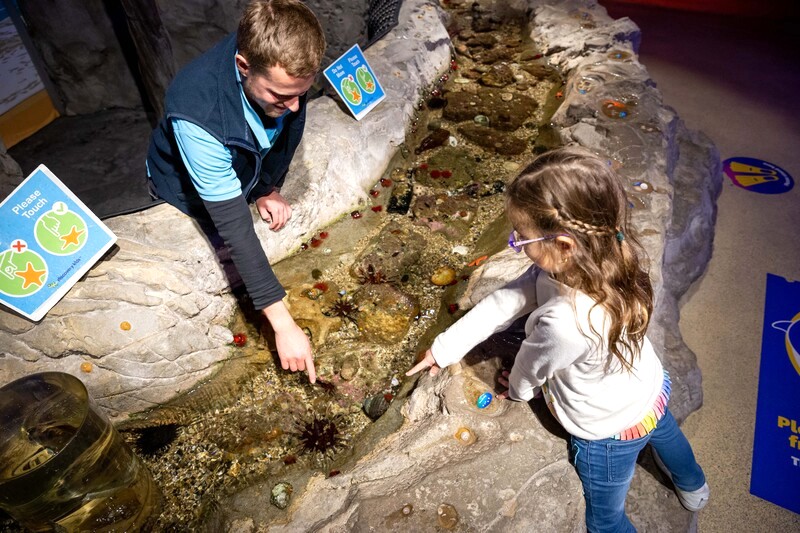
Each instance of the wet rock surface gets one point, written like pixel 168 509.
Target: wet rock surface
pixel 503 115
pixel 389 255
pixel 384 312
pixel 496 141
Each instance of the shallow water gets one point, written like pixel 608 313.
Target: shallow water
pixel 253 420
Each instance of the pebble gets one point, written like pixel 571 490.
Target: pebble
pixel 506 97
pixel 444 276
pixel 510 165
pixel 349 369
pixel 281 495
pixel 481 119
pixel 461 80
pixel 460 250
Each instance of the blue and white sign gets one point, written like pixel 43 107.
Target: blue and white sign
pixel 355 82
pixel 48 240
pixel 776 447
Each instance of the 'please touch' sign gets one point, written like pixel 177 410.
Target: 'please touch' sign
pixel 48 240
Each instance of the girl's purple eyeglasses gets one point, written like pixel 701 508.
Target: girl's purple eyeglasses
pixel 517 245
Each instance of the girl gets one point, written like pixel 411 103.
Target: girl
pixel 589 302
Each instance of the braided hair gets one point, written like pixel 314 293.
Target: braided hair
pixel 572 191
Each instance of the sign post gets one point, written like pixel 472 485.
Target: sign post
pixel 48 240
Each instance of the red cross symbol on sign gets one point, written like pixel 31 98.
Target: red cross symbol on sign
pixel 19 245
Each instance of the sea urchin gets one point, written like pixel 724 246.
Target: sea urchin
pixel 319 434
pixel 344 308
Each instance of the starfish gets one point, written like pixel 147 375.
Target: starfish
pixel 31 276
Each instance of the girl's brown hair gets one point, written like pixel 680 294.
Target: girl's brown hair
pixel 281 33
pixel 572 191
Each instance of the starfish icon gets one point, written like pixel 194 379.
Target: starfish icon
pixel 71 237
pixel 31 276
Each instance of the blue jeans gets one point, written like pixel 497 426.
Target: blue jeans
pixel 606 469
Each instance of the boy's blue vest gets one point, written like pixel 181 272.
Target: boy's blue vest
pixel 206 93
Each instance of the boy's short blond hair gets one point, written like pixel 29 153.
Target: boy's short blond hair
pixel 283 33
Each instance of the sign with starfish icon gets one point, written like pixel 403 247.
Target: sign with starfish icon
pixel 355 82
pixel 48 240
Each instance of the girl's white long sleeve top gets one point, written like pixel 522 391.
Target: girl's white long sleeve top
pixel 585 387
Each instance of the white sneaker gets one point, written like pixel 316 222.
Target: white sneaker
pixel 691 500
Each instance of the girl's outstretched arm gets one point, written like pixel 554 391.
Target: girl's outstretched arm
pixel 496 312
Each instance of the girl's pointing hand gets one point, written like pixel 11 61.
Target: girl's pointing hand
pixel 427 362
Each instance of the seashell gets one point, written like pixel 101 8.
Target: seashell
pixel 375 406
pixel 281 495
pixel 443 276
pixel 465 436
pixel 643 186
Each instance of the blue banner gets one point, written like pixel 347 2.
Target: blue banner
pixel 353 79
pixel 776 447
pixel 48 240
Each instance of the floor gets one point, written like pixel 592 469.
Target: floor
pixel 735 79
